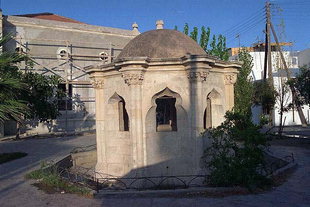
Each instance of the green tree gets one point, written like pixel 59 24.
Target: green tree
pixel 194 34
pixel 302 85
pixel 236 154
pixel 244 86
pixel 176 27
pixel 25 95
pixel 42 96
pixel 264 95
pixel 11 106
pixel 204 38
pixel 186 28
pixel 217 45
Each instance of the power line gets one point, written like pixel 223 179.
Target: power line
pixel 245 29
pixel 260 12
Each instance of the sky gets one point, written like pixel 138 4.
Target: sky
pixel 241 21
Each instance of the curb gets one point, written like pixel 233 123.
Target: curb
pixel 179 192
pixel 47 136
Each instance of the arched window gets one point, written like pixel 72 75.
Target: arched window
pixel 166 114
pixel 119 108
pixel 123 116
pixel 212 109
pixel 207 117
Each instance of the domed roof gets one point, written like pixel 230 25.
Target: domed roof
pixel 161 43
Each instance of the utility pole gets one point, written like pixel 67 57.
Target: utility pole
pixel 267 61
pixel 294 95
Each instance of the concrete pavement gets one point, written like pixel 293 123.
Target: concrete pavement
pixel 16 191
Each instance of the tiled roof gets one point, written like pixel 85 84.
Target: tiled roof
pixel 50 16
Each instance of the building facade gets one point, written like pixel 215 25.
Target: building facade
pixel 62 46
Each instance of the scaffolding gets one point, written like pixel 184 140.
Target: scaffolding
pixel 66 62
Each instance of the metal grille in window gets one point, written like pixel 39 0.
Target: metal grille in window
pixel 166 116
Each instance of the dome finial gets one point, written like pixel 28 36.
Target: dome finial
pixel 159 24
pixel 135 28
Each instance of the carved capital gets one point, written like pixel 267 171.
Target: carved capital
pixel 97 84
pixel 197 76
pixel 230 79
pixel 133 78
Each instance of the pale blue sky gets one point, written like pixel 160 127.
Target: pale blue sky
pixel 229 17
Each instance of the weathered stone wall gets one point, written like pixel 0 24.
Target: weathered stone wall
pixel 161 153
pixel 43 39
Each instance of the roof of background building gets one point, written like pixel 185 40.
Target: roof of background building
pixel 161 43
pixel 50 16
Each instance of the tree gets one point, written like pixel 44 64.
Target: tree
pixel 264 95
pixel 236 154
pixel 217 45
pixel 194 34
pixel 244 86
pixel 204 38
pixel 302 85
pixel 11 106
pixel 186 28
pixel 175 27
pixel 283 101
pixel 42 96
pixel 25 95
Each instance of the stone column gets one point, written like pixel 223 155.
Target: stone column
pixel 134 80
pixel 196 110
pixel 98 84
pixel 196 79
pixel 229 81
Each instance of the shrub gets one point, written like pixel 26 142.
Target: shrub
pixel 235 157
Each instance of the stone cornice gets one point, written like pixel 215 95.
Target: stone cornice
pixel 203 62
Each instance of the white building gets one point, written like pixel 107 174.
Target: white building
pixel 294 61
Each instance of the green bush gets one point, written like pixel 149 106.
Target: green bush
pixel 235 157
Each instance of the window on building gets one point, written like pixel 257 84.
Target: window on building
pixel 294 61
pixel 123 116
pixel 207 117
pixel 65 103
pixel 63 53
pixel 166 116
pixel 103 56
pixel 19 50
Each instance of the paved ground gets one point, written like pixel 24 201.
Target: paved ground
pixel 16 191
pixel 294 131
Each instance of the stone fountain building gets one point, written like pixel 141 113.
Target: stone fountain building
pixel 154 100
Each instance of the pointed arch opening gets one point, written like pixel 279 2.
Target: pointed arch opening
pixel 211 110
pixel 123 118
pixel 166 113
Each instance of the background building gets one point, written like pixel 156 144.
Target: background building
pixel 294 60
pixel 63 46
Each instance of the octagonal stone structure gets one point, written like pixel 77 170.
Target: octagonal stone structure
pixel 154 100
